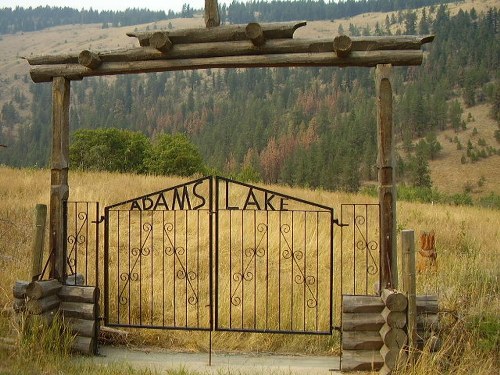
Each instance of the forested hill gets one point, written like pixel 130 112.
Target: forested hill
pixel 312 127
pixel 39 18
pixel 35 19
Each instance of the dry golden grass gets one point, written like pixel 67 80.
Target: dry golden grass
pixel 467 280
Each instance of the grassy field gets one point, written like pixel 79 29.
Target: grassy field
pixel 466 281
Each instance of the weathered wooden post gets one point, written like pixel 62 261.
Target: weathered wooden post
pixel 59 191
pixel 409 284
pixel 37 249
pixel 387 190
pixel 212 17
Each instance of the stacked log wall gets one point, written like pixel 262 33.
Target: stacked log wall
pixel 80 310
pixel 361 342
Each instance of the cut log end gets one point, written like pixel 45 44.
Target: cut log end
pixel 160 41
pixel 89 59
pixel 342 45
pixel 255 33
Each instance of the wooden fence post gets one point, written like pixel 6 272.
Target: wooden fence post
pixel 387 190
pixel 212 18
pixel 59 174
pixel 37 249
pixel 409 284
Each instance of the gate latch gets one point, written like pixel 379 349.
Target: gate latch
pixel 336 222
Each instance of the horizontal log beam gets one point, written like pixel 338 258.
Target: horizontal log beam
pixel 237 48
pixel 362 304
pixel 361 360
pixel 84 345
pixel 79 310
pixel 275 30
pixel 361 340
pixel 362 322
pixel 86 294
pixel 45 73
pixel 81 327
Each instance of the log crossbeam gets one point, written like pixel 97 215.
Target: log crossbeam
pixel 237 46
pixel 45 73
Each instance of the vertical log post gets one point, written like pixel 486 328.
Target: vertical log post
pixel 59 191
pixel 409 284
pixel 37 249
pixel 387 190
pixel 212 18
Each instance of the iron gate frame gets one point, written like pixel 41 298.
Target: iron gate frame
pixel 106 220
pixel 319 209
pixel 213 254
pixel 359 235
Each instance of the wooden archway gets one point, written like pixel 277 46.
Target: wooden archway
pixel 231 46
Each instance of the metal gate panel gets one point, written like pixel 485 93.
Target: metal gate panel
pixel 158 259
pixel 274 262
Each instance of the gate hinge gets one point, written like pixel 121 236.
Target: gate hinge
pixel 101 219
pixel 336 222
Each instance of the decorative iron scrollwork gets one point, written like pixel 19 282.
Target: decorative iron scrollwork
pixel 183 273
pixel 76 240
pixel 364 245
pixel 302 278
pixel 138 253
pixel 246 274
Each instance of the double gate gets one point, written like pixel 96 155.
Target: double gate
pixel 216 254
pixel 225 256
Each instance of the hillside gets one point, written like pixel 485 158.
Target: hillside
pixel 447 169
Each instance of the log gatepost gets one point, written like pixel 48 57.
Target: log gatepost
pixel 59 190
pixel 386 178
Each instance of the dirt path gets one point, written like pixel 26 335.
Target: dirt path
pixel 221 363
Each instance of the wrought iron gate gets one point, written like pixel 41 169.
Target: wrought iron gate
pixel 234 258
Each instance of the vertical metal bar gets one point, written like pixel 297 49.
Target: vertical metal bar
pixel 305 270
pixel 214 250
pixel 163 264
pixel 331 268
pixel 230 265
pixel 174 274
pixel 186 267
pixel 140 268
pixel 242 269
pixel 291 279
pixel 267 268
pixel 198 268
pixel 255 270
pixel 279 272
pixel 87 246
pixel 76 237
pixel 341 251
pixel 118 270
pixel 152 266
pixel 317 270
pixel 354 227
pixel 106 266
pixel 97 226
pixel 129 300
pixel 367 249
